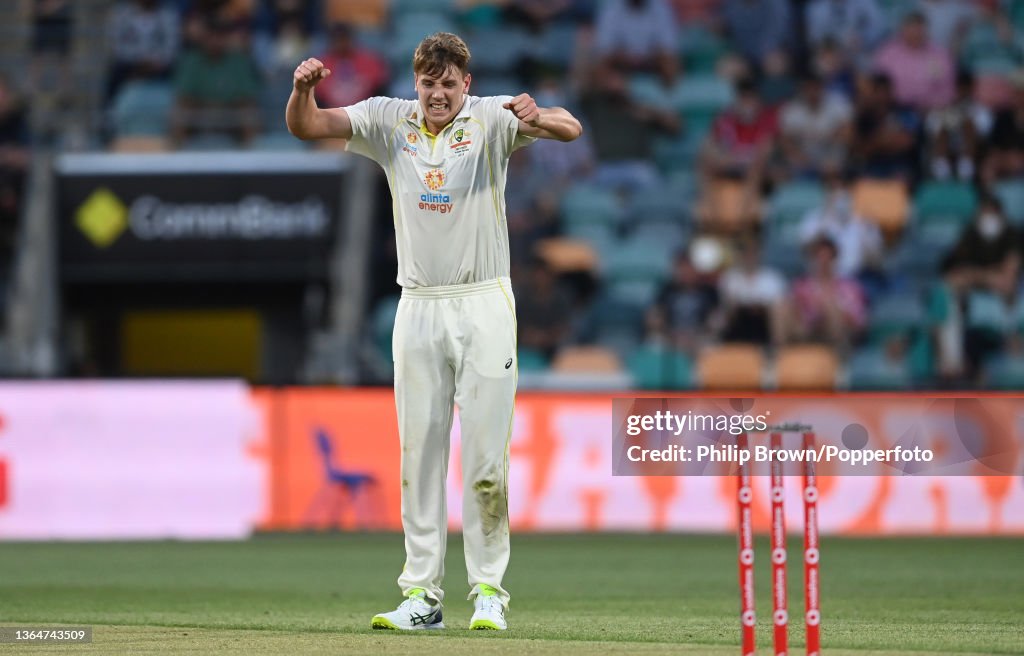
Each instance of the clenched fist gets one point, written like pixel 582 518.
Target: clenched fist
pixel 525 108
pixel 309 73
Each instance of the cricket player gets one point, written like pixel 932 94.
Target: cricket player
pixel 446 155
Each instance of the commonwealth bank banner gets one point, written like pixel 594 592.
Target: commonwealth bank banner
pixel 197 216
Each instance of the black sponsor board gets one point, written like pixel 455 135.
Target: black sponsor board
pixel 197 216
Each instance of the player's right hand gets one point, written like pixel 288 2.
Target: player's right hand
pixel 309 73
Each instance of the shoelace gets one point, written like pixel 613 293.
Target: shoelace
pixel 491 603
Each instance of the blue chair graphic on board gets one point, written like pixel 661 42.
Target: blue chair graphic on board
pixel 342 492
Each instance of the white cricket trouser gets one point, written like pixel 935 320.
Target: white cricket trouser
pixel 455 344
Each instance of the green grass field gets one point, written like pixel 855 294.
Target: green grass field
pixel 624 594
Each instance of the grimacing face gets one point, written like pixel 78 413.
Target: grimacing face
pixel 441 97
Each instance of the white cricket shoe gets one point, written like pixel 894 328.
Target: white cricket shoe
pixel 490 613
pixel 413 614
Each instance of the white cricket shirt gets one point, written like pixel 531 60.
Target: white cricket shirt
pixel 447 193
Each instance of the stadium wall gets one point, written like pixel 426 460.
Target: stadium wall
pixel 219 460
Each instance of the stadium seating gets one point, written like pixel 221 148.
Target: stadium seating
pixel 586 360
pixel 657 368
pixel 730 367
pixel 885 202
pixel 806 367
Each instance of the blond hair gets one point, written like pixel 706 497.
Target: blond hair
pixel 439 52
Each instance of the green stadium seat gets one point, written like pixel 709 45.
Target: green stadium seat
pixel 142 109
pixel 871 369
pixel 382 325
pixel 899 315
pixel 657 368
pixel 1011 195
pixel 586 203
pixel 1005 372
pixel 531 360
pixel 945 199
pixel 794 199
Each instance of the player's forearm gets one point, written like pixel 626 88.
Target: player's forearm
pixel 303 117
pixel 558 124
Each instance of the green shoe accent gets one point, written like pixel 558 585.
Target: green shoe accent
pixel 487 591
pixel 379 622
pixel 484 625
pixel 417 592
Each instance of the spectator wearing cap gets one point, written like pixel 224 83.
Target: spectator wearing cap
pixel 357 73
pixel 922 72
pixel 683 307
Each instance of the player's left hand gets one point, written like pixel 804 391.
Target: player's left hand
pixel 525 108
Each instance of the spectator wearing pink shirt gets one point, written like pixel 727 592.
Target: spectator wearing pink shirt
pixel 922 72
pixel 827 307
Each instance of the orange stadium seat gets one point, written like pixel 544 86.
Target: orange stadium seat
pixel 567 255
pixel 884 202
pixel 587 360
pixel 361 13
pixel 730 367
pixel 806 367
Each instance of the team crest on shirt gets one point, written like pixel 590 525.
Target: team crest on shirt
pixel 410 144
pixel 434 179
pixel 460 143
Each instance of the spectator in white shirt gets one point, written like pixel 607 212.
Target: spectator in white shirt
pixel 815 128
pixel 752 299
pixel 859 242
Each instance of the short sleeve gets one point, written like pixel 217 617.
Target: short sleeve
pixel 504 126
pixel 368 124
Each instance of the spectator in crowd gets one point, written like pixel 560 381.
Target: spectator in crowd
pixel 741 143
pixel 981 275
pixel 827 307
pixel 816 129
pixel 623 155
pixel 543 310
pixel 1005 156
pixel 922 72
pixel 216 84
pixel 52 21
pixel 858 242
pixel 283 36
pixel 757 27
pixel 699 13
pixel 752 299
pixel 948 20
pixel 536 15
pixel 991 38
pixel 357 73
pixel 682 308
pixel 637 36
pixel 956 133
pixel 885 141
pixel 143 38
pixel 777 83
pixel 832 65
pixel 14 159
pixel 856 26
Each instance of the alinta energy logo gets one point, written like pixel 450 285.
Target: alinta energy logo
pixel 102 218
pixel 435 202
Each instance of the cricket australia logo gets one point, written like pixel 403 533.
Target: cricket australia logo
pixel 436 202
pixel 459 143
